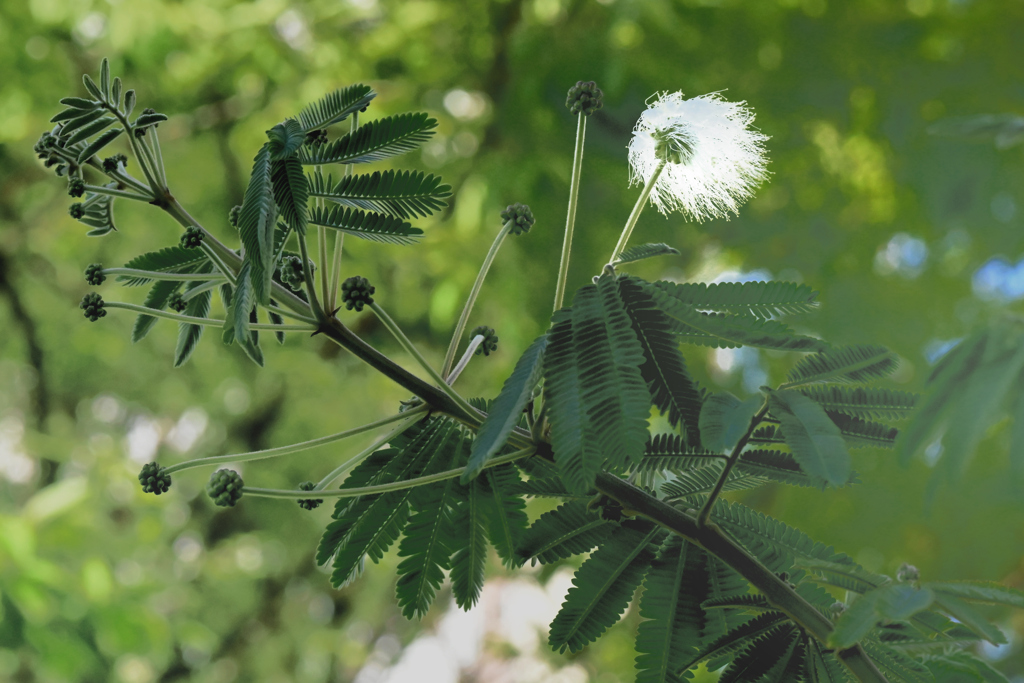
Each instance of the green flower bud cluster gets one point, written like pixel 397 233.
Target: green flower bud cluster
pixel 94 274
pixel 356 293
pixel 584 98
pixel 309 503
pixel 192 237
pixel 316 138
pixel 490 342
pixel 45 149
pixel 154 479
pixel 233 215
pixel 907 573
pixel 76 210
pixel 291 272
pixel 92 304
pixel 177 302
pixel 225 487
pixel 110 164
pixel 76 186
pixel 521 217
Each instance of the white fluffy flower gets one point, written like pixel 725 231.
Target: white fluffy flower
pixel 716 160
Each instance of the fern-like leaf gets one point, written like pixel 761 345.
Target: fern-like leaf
pixel 291 194
pixel 374 141
pixel 429 537
pixel 405 194
pixel 644 251
pixel 598 400
pixel 336 107
pixel 670 452
pixel 604 585
pixel 189 334
pixel 671 605
pixel 724 419
pixel 695 482
pixel 863 402
pixel 757 603
pixel 505 511
pixel 157 298
pixel 777 466
pixel 737 638
pixel 98 212
pixel 507 408
pixel 167 260
pixel 256 223
pixel 984 592
pixel 672 389
pixel 895 665
pixel 759 299
pixel 968 616
pixel 860 433
pixel 375 227
pixel 285 139
pixel 569 529
pixel 764 653
pixel 962 667
pixel 87 130
pixel 470 559
pixel 815 440
pixel 822 666
pixel 858 363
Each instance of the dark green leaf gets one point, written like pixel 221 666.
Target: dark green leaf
pixel 189 334
pixel 505 511
pixel 762 655
pixel 569 529
pixel 285 138
pixel 863 402
pixel 672 389
pixel 507 408
pixel 759 299
pixel 91 86
pixel 815 440
pixel 81 119
pixel 724 419
pixel 469 560
pixel 403 194
pixel 603 586
pixel 256 222
pixel 166 260
pixel 335 107
pixel 858 363
pixel 368 226
pixel 644 251
pixel 146 120
pixel 291 195
pixel 374 141
pixel 90 129
pixel 157 298
pixel 79 103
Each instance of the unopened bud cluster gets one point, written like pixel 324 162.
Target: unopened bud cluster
pixel 584 98
pixel 490 342
pixel 92 304
pixel 192 237
pixel 356 292
pixel 94 274
pixel 225 487
pixel 154 479
pixel 309 503
pixel 520 216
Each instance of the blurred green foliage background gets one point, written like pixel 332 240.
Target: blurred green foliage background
pixel 911 239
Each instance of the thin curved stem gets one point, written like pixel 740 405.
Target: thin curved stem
pixel 460 327
pixel 286 450
pixel 347 466
pixel 160 275
pixel 411 349
pixel 385 488
pixel 570 219
pixel 321 246
pixel 339 237
pixel 196 291
pixel 638 208
pixel 158 154
pixel 98 189
pixel 734 456
pixel 157 313
pixel 318 311
pixel 474 344
pixel 289 314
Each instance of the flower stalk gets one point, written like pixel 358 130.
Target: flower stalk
pixel 570 218
pixel 634 215
pixel 460 327
pixel 192 320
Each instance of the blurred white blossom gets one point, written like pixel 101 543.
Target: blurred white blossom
pixel 715 159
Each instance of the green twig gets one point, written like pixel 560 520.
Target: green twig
pixel 127 273
pixel 99 189
pixel 384 488
pixel 156 312
pixel 413 414
pixel 460 327
pixel 570 219
pixel 734 456
pixel 285 450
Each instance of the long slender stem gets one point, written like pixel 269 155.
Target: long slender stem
pixel 474 344
pixel 308 276
pixel 160 275
pixel 321 246
pixel 734 456
pixel 339 237
pixel 196 291
pixel 286 450
pixel 157 171
pixel 384 488
pixel 414 415
pixel 218 260
pixel 290 314
pixel 97 189
pixel 634 215
pixel 460 327
pixel 158 154
pixel 570 219
pixel 157 313
pixel 411 349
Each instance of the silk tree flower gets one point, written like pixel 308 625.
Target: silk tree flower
pixel 715 160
